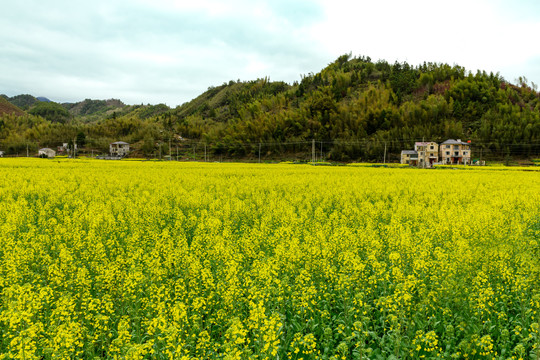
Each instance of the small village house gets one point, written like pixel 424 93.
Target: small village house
pixel 409 157
pixel 428 153
pixel 46 153
pixel 1 153
pixel 61 150
pixel 455 152
pixel 425 154
pixel 119 148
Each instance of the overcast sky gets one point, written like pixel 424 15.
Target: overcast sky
pixel 170 51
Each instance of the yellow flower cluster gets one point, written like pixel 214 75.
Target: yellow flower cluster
pixel 139 260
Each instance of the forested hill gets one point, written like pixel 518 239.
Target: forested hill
pixel 369 103
pixel 353 109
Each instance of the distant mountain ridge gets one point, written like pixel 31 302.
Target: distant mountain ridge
pixel 81 108
pixel 91 107
pixel 23 101
pixel 86 111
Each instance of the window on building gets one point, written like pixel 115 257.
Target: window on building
pixel 431 147
pixel 448 153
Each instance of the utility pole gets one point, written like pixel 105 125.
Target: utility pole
pixel 384 158
pixel 27 155
pixel 313 151
pixel 170 149
pixel 321 152
pixel 259 152
pixel 480 155
pixel 204 152
pixel 159 144
pixel 74 147
pixel 177 152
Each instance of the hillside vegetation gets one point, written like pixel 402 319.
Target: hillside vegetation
pixel 8 108
pixel 353 109
pixel 91 107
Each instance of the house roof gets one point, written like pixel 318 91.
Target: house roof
pixel 120 143
pixel 454 142
pixel 46 149
pixel 423 143
pixel 409 152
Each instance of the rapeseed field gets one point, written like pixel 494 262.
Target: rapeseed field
pixel 134 260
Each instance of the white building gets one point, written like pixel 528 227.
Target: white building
pixel 46 153
pixel 119 148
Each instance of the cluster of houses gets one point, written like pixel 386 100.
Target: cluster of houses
pixel 117 150
pixel 427 154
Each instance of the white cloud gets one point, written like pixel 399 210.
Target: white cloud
pixel 151 51
pixel 472 33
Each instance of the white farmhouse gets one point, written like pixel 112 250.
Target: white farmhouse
pixel 119 148
pixel 46 153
